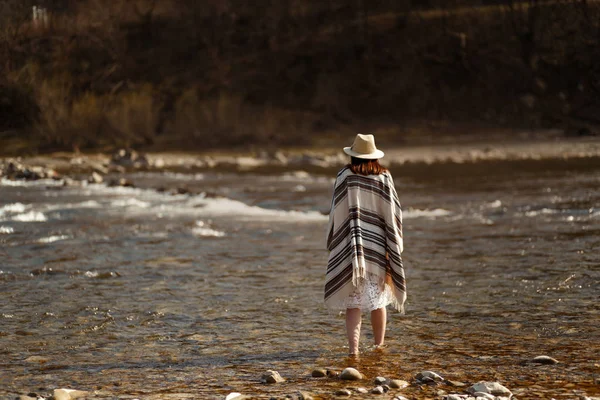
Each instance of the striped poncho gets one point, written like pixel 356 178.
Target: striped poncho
pixel 364 231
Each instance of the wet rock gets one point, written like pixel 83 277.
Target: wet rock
pixel 398 384
pixel 319 373
pixel 429 377
pixel 158 163
pixel 30 396
pixel 95 178
pixel 97 167
pixel 351 374
pixel 302 395
pixel 494 388
pixel 362 390
pixel 455 383
pixel 271 377
pixel 120 182
pixel 377 390
pixel 386 388
pixel 546 360
pixel 343 392
pixel 69 394
pixel 380 380
pixel 455 397
pixel 129 158
pixel 483 395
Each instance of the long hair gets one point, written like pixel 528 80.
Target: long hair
pixel 365 166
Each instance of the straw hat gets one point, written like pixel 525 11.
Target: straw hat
pixel 364 147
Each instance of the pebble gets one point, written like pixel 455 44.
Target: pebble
pixel 377 390
pixel 233 395
pixel 400 398
pixel 343 392
pixel 305 396
pixel 362 390
pixel 428 376
pixel 494 388
pixel 455 383
pixel 398 384
pixel 380 380
pixel 95 178
pixel 319 373
pixel 544 360
pixel 69 394
pixel 332 373
pixel 271 377
pixel 350 374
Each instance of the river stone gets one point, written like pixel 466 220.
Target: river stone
pixel 377 390
pixel 455 383
pixel 429 376
pixel 343 392
pixel 490 387
pixel 350 374
pixel 305 396
pixel 271 377
pixel 362 390
pixel 319 373
pixel 544 360
pixel 454 397
pixel 400 398
pixel 95 178
pixel 398 384
pixel 233 395
pixel 484 395
pixel 332 373
pixel 69 394
pixel 380 380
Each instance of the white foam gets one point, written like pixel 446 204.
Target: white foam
pixel 23 183
pixel 31 216
pixel 494 204
pixel 202 229
pixel 51 239
pixel 207 232
pixel 227 207
pixel 13 208
pixel 416 213
pixel 543 211
pixel 6 230
pixel 130 203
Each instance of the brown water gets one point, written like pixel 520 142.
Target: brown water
pixel 132 293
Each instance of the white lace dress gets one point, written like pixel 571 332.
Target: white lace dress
pixel 372 293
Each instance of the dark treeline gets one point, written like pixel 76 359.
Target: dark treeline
pixel 217 73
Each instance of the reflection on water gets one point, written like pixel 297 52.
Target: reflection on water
pixel 140 293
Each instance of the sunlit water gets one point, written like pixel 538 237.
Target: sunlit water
pixel 139 293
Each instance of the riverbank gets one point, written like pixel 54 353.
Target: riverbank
pixel 421 159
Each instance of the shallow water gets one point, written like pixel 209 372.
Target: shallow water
pixel 140 293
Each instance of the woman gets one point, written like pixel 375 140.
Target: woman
pixel 364 237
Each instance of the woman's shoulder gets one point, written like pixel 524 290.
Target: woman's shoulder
pixel 344 171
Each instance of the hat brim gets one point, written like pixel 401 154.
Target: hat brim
pixel 370 156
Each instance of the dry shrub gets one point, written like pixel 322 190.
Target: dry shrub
pixel 227 120
pixel 133 116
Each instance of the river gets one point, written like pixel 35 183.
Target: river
pixel 141 293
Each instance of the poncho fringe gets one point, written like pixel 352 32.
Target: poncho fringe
pixel 364 235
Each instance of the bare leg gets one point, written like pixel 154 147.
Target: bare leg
pixel 353 321
pixel 378 321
